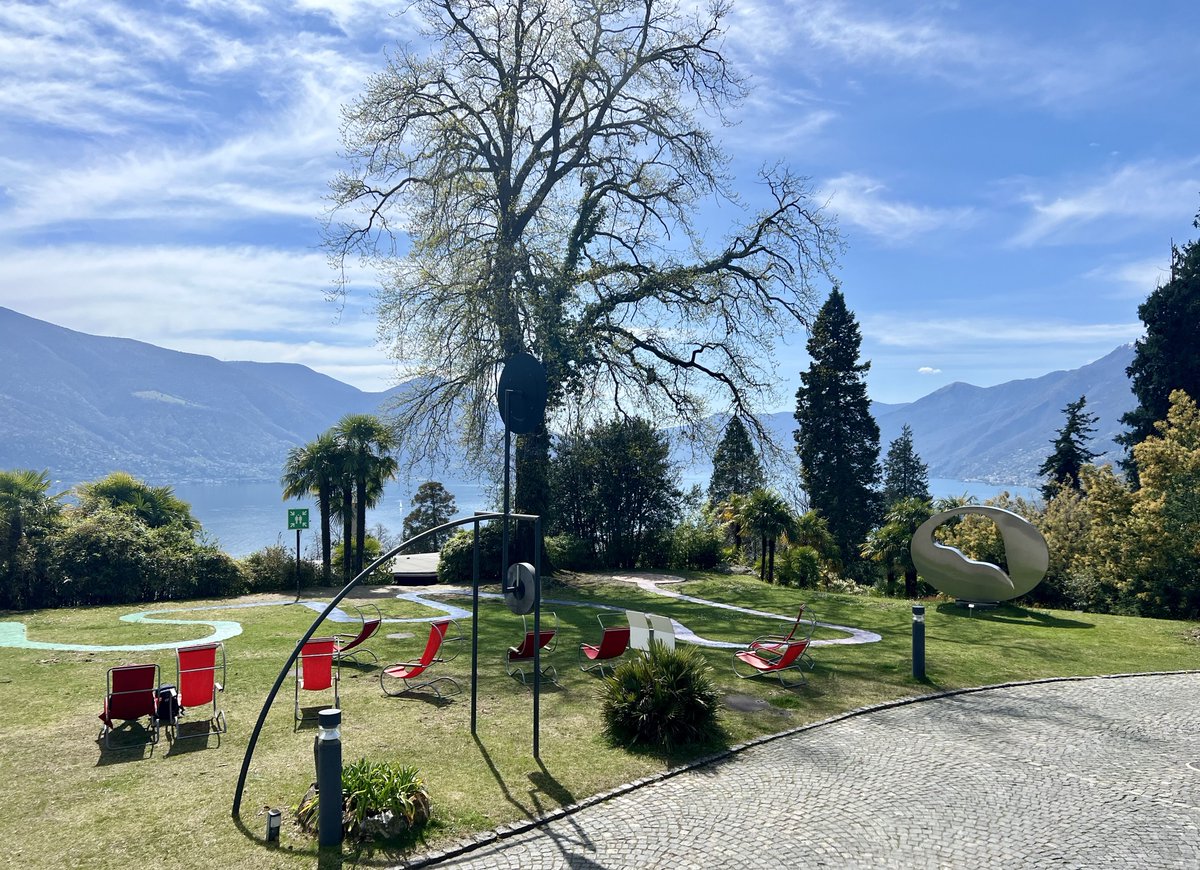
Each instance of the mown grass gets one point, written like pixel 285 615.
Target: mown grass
pixel 72 804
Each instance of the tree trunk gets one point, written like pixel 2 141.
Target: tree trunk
pixel 531 491
pixel 347 533
pixel 910 583
pixel 771 567
pixel 360 532
pixel 323 498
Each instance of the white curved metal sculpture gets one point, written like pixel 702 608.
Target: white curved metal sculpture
pixel 949 571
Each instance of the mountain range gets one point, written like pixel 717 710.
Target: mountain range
pixel 83 405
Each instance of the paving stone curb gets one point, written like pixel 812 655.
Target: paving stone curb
pixel 470 844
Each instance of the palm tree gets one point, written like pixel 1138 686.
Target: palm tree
pixel 368 444
pixel 156 506
pixel 768 515
pixel 314 469
pixel 27 513
pixel 891 543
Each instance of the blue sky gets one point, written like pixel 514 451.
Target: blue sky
pixel 1007 176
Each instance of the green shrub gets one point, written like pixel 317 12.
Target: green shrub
pixel 665 700
pixel 569 553
pixel 382 799
pixel 454 566
pixel 697 544
pixel 273 569
pixel 372 550
pixel 798 566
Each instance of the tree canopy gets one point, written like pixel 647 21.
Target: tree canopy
pixel 529 180
pixel 432 506
pixel 737 470
pixel 1062 467
pixel 905 476
pixel 1167 357
pixel 837 438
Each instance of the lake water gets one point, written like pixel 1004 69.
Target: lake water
pixel 245 517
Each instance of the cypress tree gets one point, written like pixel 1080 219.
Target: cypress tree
pixel 837 438
pixel 904 474
pixel 736 466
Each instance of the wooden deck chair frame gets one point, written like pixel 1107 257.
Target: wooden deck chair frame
pixel 131 693
pixel 200 676
pixel 312 677
pixel 445 636
pixel 523 653
pixel 802 629
pixel 758 661
pixel 614 641
pixel 350 646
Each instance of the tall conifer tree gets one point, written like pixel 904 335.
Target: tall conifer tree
pixel 736 466
pixel 1062 467
pixel 904 474
pixel 837 438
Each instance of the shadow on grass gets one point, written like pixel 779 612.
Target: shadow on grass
pixel 1011 615
pixel 132 744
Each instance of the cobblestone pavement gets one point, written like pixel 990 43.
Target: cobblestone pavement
pixel 1092 773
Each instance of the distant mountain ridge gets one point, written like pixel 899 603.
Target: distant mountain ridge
pixel 1002 434
pixel 84 405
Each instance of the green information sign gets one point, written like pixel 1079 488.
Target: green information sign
pixel 297 518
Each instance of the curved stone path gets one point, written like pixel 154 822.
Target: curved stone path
pixel 1092 773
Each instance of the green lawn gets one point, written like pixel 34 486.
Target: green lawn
pixel 69 804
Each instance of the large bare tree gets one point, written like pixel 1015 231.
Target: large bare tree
pixel 530 181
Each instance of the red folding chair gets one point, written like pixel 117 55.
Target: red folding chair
pixel 760 662
pixel 801 629
pixel 443 634
pixel 197 668
pixel 523 653
pixel 350 646
pixel 317 671
pixel 131 694
pixel 614 640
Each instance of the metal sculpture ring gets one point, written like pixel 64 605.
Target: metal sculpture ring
pixel 949 571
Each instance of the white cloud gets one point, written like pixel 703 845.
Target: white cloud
pixel 928 370
pixel 895 329
pixel 858 199
pixel 1131 194
pixel 1138 278
pixel 247 303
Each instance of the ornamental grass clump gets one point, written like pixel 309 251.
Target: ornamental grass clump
pixel 664 700
pixel 379 799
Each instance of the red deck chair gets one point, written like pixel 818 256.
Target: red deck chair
pixel 316 670
pixel 131 694
pixel 801 629
pixel 613 642
pixel 200 673
pixel 350 645
pixel 756 662
pixel 523 653
pixel 443 634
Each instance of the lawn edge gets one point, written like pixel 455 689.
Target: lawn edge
pixel 484 838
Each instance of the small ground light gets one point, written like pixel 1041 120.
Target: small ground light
pixel 274 820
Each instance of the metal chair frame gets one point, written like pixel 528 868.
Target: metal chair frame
pixel 758 661
pixel 130 704
pixel 523 652
pixel 444 634
pixel 310 653
pixel 614 641
pixel 193 695
pixel 350 645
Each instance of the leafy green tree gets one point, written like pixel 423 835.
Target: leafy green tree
pixel 29 516
pixel 768 516
pixel 432 506
pixel 542 166
pixel 156 506
pixel 616 488
pixel 1062 467
pixel 838 439
pixel 1167 357
pixel 891 543
pixel 315 469
pixel 367 447
pixel 736 466
pixel 904 474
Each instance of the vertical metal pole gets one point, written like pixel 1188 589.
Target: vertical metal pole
pixel 537 633
pixel 918 641
pixel 297 564
pixel 474 624
pixel 507 473
pixel 329 777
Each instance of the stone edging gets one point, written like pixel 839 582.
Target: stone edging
pixel 485 838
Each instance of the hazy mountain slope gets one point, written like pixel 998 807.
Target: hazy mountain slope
pixel 83 405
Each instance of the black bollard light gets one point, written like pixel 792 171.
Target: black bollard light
pixel 918 641
pixel 329 777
